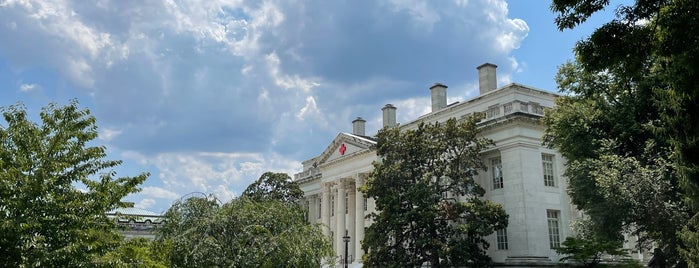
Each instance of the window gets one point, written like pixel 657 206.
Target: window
pixel 502 239
pixel 320 208
pixel 547 162
pixel 332 206
pixel 496 166
pixel 554 234
pixel 308 210
pixel 366 202
pixel 346 204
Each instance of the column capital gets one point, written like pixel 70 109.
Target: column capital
pixel 340 184
pixel 326 185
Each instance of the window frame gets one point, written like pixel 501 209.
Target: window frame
pixel 553 219
pixel 548 166
pixel 496 166
pixel 501 239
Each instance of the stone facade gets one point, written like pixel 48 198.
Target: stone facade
pixel 524 176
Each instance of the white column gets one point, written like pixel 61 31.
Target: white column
pixel 325 209
pixel 358 219
pixel 351 222
pixel 340 217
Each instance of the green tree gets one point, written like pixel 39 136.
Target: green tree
pixel 587 247
pixel 620 174
pixel 257 231
pixel 648 61
pixel 429 207
pixel 45 220
pixel 275 186
pixel 137 253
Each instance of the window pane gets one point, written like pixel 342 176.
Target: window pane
pixel 554 233
pixel 496 166
pixel 547 163
pixel 502 239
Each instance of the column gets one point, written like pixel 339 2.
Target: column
pixel 358 219
pixel 325 209
pixel 351 221
pixel 340 217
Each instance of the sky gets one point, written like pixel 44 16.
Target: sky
pixel 208 95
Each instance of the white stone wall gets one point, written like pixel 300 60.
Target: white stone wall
pixel 513 126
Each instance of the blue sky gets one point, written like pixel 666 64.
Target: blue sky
pixel 208 95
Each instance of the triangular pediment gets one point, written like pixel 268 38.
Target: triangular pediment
pixel 345 145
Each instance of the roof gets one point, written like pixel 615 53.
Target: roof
pixel 135 214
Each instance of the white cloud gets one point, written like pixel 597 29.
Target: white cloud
pixel 145 203
pixel 203 91
pixel 509 33
pixel 225 175
pixel 28 87
pixel 309 109
pixel 287 81
pixel 107 134
pixel 157 192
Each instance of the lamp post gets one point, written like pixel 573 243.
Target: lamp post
pixel 346 239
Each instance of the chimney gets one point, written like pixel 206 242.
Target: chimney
pixel 358 126
pixel 487 80
pixel 439 96
pixel 389 115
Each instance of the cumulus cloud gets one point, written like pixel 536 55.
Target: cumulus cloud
pixel 223 174
pixel 264 83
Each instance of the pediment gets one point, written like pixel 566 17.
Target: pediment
pixel 344 145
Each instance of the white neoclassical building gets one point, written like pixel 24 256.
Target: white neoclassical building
pixel 523 175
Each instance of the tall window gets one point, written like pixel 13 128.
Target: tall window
pixel 496 165
pixel 332 206
pixel 547 162
pixel 366 202
pixel 502 238
pixel 320 207
pixel 346 204
pixel 554 232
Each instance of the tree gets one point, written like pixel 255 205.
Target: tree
pixel 429 207
pixel 137 252
pixel 254 230
pixel 275 186
pixel 45 219
pixel 648 61
pixel 588 248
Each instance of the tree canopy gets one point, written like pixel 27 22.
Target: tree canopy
pixel 275 186
pixel 258 229
pixel 55 189
pixel 629 125
pixel 429 207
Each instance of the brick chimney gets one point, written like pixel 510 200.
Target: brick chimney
pixel 487 80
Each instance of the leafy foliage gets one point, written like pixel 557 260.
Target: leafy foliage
pixel 635 80
pixel 587 248
pixel 429 207
pixel 275 186
pixel 256 231
pixel 136 252
pixel 45 220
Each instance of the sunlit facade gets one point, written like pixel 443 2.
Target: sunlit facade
pixel 523 175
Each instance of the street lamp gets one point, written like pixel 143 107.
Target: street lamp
pixel 346 239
